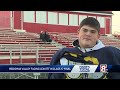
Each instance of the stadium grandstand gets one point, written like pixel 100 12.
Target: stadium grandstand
pixel 20 42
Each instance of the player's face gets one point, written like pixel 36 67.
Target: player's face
pixel 88 36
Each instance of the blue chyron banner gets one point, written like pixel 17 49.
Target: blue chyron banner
pixel 60 68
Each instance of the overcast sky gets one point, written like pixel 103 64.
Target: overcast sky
pixel 116 21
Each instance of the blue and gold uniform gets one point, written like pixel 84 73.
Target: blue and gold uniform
pixel 99 54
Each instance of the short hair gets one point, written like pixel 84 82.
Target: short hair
pixel 92 22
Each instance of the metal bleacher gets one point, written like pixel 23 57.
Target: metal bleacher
pixel 25 48
pixel 18 48
pixel 67 39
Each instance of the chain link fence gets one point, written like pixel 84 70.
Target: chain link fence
pixel 23 75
